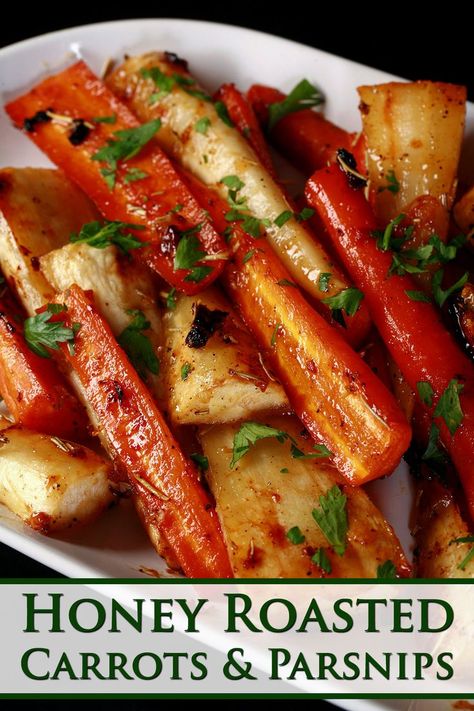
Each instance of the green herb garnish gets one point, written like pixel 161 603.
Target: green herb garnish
pixel 303 96
pixel 137 346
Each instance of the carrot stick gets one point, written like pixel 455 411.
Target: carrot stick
pixel 33 389
pixel 412 330
pixel 73 118
pixel 305 137
pixel 141 443
pixel 334 393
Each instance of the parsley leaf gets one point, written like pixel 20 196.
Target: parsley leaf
pixel 202 125
pixel 305 214
pixel 134 174
pixel 186 368
pixel 105 119
pixel 433 455
pixel 440 294
pixel 321 559
pixel 418 296
pixel 392 183
pixel 248 255
pixel 467 559
pixel 295 536
pixel 126 144
pixel 347 300
pixel 303 96
pixel 248 434
pixel 188 252
pixel 385 238
pixel 170 299
pixel 449 406
pixel 233 182
pixel 200 460
pixel 283 217
pixel 425 392
pixel 137 346
pixel 223 114
pixel 273 339
pixel 163 82
pixel 102 235
pixel 323 281
pixel 331 518
pixel 40 333
pixel 321 452
pixel 286 282
pixel 386 570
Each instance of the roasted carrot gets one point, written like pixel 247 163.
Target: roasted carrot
pixel 244 119
pixel 141 443
pixel 334 393
pixel 305 137
pixel 423 349
pixel 100 145
pixel 33 389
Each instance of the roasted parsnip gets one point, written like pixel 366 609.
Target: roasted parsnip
pixel 221 152
pixel 39 209
pixel 50 483
pixel 414 133
pixel 221 377
pixel 269 492
pixel 121 288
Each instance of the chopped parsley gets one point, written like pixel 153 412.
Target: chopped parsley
pixel 134 174
pixel 295 536
pixel 105 119
pixel 188 253
pixel 126 144
pixel 202 125
pixel 425 392
pixel 137 346
pixel 415 295
pixel 286 282
pixel 304 214
pixel 303 96
pixel 321 452
pixel 393 185
pixel 321 559
pixel 103 234
pixel 331 518
pixel 186 368
pixel 449 406
pixel 251 225
pixel 323 281
pixel 170 299
pixel 274 337
pixel 200 460
pixel 248 256
pixel 248 434
pixel 467 559
pixel 433 455
pixel 348 300
pixel 440 294
pixel 221 110
pixel 387 570
pixel 41 333
pixel 283 218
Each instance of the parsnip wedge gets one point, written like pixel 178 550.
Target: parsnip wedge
pixel 438 524
pixel 222 381
pixel 39 208
pixel 414 134
pixel 119 286
pixel 270 492
pixel 217 152
pixel 49 483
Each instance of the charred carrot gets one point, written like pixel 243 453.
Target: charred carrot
pixel 334 393
pixel 142 444
pixel 412 329
pixel 33 389
pixel 99 144
pixel 244 119
pixel 305 137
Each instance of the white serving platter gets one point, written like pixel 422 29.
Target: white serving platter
pixel 116 546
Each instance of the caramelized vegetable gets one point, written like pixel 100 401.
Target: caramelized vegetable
pixel 141 444
pixel 124 172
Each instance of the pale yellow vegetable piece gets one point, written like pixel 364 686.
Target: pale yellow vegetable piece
pixel 49 483
pixel 438 523
pixel 225 379
pixel 415 130
pixel 218 152
pixel 269 492
pixel 119 285
pixel 39 208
